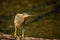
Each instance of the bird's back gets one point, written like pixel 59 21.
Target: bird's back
pixel 18 20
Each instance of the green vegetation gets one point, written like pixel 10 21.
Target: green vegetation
pixel 46 23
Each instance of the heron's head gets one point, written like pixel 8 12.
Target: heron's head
pixel 25 15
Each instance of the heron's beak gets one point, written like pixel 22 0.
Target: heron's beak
pixel 31 15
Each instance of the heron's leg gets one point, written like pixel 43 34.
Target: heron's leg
pixel 22 32
pixel 15 33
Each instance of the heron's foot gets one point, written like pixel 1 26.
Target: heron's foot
pixel 15 35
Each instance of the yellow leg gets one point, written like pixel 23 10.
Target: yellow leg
pixel 22 33
pixel 15 33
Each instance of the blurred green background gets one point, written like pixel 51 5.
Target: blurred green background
pixel 45 24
